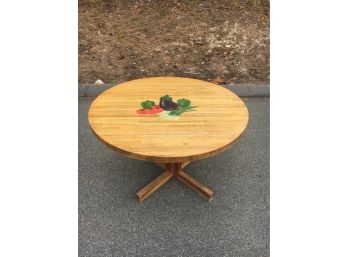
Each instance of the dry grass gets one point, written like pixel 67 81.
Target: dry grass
pixel 123 40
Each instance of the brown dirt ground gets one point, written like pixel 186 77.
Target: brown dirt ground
pixel 121 40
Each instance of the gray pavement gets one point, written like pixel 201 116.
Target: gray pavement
pixel 176 221
pixel 245 90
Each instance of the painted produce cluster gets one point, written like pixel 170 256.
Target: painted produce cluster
pixel 167 108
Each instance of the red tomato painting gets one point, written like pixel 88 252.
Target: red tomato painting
pixel 155 109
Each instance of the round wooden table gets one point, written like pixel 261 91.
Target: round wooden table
pixel 170 121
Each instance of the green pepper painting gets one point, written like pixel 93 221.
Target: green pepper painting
pixel 167 108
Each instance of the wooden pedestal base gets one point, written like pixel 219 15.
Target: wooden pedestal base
pixel 174 170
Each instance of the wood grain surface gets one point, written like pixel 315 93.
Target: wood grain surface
pixel 220 118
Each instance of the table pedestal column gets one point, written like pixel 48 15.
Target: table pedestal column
pixel 174 170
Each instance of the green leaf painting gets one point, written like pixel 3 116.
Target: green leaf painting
pixel 167 108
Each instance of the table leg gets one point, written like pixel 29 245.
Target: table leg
pixel 184 164
pixel 174 169
pixel 164 165
pixel 154 185
pixel 195 185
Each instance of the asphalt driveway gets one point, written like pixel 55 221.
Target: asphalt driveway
pixel 176 221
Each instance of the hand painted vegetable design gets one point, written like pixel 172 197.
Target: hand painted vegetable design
pixel 147 104
pixel 167 107
pixel 167 103
pixel 154 110
pixel 183 103
pixel 181 110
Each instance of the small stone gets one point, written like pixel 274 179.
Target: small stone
pixel 99 82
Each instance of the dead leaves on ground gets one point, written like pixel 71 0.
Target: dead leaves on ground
pixel 219 81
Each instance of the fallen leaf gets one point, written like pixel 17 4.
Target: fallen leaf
pixel 219 81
